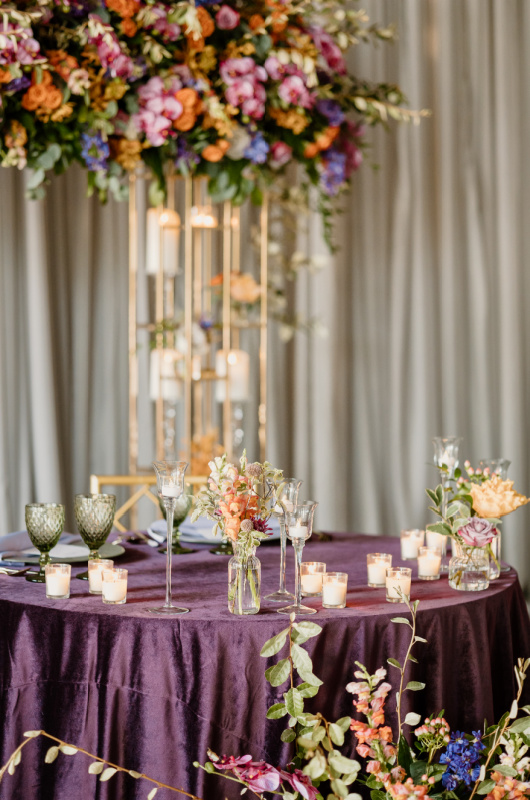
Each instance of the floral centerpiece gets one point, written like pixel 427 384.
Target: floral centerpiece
pixel 239 500
pixel 233 90
pixel 470 509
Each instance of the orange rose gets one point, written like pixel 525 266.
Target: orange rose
pixel 5 76
pixel 197 45
pixel 186 121
pixel 35 96
pixel 256 21
pixel 207 23
pixel 188 98
pixel 311 150
pixel 128 27
pixel 279 21
pixel 327 137
pixel 125 8
pixel 54 98
pixel 215 152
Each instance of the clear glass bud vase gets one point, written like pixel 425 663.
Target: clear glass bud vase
pixel 244 580
pixel 469 570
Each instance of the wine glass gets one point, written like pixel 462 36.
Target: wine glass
pixel 94 515
pixel 446 455
pixel 299 524
pixel 170 484
pixel 182 509
pixel 285 501
pixel 44 523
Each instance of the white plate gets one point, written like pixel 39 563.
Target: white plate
pixel 64 553
pixel 200 532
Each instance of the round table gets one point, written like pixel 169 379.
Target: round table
pixel 152 694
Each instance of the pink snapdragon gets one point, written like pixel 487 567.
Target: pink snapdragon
pixel 159 108
pixel 244 81
pixel 227 18
pixel 158 21
pixel 293 91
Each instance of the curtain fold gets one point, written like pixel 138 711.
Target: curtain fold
pixel 425 303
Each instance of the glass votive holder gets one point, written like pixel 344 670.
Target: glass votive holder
pixel 95 573
pixel 58 581
pixel 311 573
pixel 429 563
pixel 377 565
pixel 334 586
pixel 433 539
pixel 114 586
pixel 398 584
pixel 411 540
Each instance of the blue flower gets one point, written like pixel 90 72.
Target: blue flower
pixel 257 150
pixel 18 84
pixel 462 758
pixel 205 2
pixel 95 151
pixel 187 159
pixel 332 111
pixel 333 171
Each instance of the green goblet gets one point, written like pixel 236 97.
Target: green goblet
pixel 94 514
pixel 44 523
pixel 182 509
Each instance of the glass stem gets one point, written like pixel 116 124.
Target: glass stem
pixel 283 548
pixel 170 504
pixel 298 548
pixel 43 560
pixel 444 481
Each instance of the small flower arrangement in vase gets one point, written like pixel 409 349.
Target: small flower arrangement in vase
pixel 239 500
pixel 470 509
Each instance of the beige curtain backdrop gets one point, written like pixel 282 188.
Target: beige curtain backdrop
pixel 425 304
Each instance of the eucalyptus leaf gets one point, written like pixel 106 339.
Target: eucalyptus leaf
pixel 319 734
pixel 152 793
pixel 521 725
pixel 135 774
pixel 504 769
pixel 309 629
pixel 415 686
pixel 343 764
pixel 339 787
pixel 485 787
pixel 306 690
pixel 280 672
pixel 274 645
pixel 316 767
pixel 107 774
pixel 301 659
pixel 394 663
pixel 336 733
pixel 412 718
pixel 308 677
pixel 276 711
pixel 96 768
pixel 68 750
pixel 294 702
pixel 401 620
pixel 51 755
pixel 344 723
pixel 32 734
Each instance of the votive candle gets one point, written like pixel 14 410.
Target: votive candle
pixel 334 586
pixel 377 564
pixel 398 580
pixel 58 581
pixel 429 562
pixel 433 539
pixel 411 540
pixel 311 573
pixel 114 586
pixel 95 573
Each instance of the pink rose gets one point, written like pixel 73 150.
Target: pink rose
pixel 280 154
pixel 478 532
pixel 227 18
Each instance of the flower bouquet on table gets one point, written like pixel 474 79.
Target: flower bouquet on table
pixel 470 509
pixel 239 500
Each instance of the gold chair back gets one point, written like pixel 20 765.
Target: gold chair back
pixel 140 486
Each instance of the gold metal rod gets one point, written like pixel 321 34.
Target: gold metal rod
pixel 188 314
pixel 159 318
pixel 262 412
pixel 133 355
pixel 227 412
pixel 235 230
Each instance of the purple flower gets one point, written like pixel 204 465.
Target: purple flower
pixel 186 158
pixel 478 532
pixel 18 84
pixel 260 776
pixel 332 111
pixel 94 151
pixel 333 171
pixel 261 525
pixel 257 150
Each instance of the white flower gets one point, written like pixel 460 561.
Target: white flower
pixel 239 141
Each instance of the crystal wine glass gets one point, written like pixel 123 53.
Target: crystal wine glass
pixel 182 509
pixel 44 523
pixel 299 524
pixel 446 455
pixel 170 483
pixel 94 515
pixel 285 501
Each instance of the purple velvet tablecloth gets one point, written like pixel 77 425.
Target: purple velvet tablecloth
pixel 152 694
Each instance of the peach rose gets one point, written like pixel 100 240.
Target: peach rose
pixel 215 152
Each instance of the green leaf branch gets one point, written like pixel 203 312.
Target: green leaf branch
pixel 413 686
pixel 99 766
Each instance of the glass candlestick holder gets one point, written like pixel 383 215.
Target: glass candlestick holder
pixel 285 502
pixel 299 526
